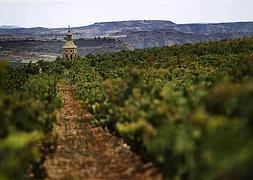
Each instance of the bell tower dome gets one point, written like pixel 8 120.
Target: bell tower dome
pixel 69 49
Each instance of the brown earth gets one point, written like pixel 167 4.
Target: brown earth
pixel 87 152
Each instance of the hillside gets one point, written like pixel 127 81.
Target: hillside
pixel 184 110
pixel 167 31
pixel 94 30
pixel 9 27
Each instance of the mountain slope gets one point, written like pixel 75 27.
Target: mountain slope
pixel 142 33
pixel 239 27
pixel 9 27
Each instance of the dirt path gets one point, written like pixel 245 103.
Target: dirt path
pixel 87 152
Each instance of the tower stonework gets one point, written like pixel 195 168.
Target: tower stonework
pixel 69 49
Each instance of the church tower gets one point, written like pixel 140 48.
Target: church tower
pixel 69 49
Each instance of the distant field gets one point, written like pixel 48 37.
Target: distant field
pixel 35 50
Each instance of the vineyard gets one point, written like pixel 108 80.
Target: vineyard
pixel 188 109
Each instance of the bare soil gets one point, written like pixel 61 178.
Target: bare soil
pixel 87 152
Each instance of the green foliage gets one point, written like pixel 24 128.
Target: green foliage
pixel 12 79
pixel 17 153
pixel 28 100
pixel 43 88
pixel 188 108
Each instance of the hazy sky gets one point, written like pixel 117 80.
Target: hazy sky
pixel 61 13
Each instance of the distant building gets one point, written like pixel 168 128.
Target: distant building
pixel 69 49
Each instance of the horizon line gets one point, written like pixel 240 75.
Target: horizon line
pixel 99 22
